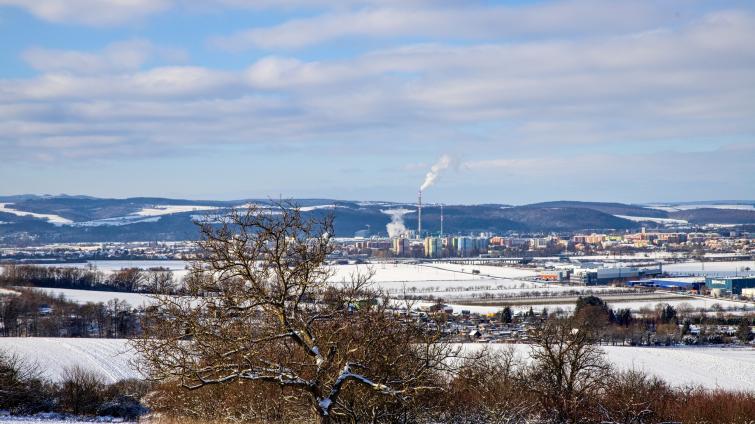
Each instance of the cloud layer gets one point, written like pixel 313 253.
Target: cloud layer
pixel 507 87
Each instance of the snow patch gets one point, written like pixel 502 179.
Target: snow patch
pixel 664 221
pixel 52 219
pixel 160 210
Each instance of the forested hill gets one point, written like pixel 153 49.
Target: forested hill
pixel 45 219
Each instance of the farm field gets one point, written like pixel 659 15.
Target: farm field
pixel 711 367
pixel 537 304
pixel 97 296
pixel 108 357
pixel 485 292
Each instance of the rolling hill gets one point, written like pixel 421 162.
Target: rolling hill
pixel 45 219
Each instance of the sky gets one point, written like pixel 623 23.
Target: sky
pixel 631 101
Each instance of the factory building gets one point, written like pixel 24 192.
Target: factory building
pixel 729 285
pixel 607 275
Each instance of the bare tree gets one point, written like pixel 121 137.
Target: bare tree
pixel 81 391
pixel 567 370
pixel 128 279
pixel 262 309
pixel 490 390
pixel 160 280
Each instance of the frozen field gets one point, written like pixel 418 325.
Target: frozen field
pixel 501 288
pixel 710 367
pixel 96 296
pixel 111 358
pixel 537 305
pixel 108 267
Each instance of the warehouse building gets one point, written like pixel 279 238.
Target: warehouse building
pixel 729 285
pixel 675 283
pixel 608 275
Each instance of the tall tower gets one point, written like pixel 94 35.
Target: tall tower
pixel 419 216
pixel 441 220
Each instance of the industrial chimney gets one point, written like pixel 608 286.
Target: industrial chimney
pixel 419 216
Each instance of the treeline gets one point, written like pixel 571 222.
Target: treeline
pixel 33 313
pixel 23 391
pixel 665 325
pixel 566 380
pixel 132 280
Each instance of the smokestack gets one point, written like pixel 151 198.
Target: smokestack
pixel 441 220
pixel 419 216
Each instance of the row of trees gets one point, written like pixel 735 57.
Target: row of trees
pixel 665 325
pixel 31 313
pixel 152 280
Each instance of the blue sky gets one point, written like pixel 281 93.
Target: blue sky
pixel 634 101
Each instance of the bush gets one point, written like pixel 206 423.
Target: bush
pixel 81 391
pixel 22 391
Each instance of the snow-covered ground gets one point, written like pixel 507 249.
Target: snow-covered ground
pixel 664 221
pixel 430 273
pixel 710 367
pixel 110 358
pixel 691 303
pixel 108 267
pixel 52 219
pixel 96 296
pixel 675 208
pixel 160 210
pixel 499 288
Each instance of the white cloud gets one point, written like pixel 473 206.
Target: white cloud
pixel 90 12
pixel 696 81
pixel 476 22
pixel 116 57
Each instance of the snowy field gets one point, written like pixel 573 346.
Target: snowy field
pixel 97 296
pixel 664 221
pixel 691 303
pixel 110 358
pixel 675 208
pixel 710 367
pixel 108 267
pixel 454 283
pixel 500 288
pixel 160 210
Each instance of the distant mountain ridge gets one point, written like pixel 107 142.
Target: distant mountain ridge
pixel 45 219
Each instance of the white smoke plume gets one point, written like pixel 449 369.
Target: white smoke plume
pixel 441 165
pixel 396 227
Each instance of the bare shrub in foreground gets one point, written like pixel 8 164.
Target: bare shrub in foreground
pixel 81 391
pixel 568 370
